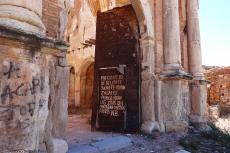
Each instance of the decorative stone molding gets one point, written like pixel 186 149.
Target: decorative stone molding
pixel 22 15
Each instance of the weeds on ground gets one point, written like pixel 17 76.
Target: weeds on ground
pixel 217 135
pixel 207 141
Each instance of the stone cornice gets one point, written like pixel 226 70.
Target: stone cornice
pixel 31 39
pixel 176 75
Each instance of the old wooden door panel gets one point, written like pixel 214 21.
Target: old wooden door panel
pixel 117 45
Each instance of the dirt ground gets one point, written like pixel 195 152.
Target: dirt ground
pixel 215 141
pixel 79 133
pixel 157 143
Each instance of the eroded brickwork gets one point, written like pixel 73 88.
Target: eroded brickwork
pixel 219 91
pixel 50 17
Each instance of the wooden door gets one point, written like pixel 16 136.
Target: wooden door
pixel 117 56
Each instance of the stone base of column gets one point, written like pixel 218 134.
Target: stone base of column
pixel 173 66
pixel 197 119
pixel 57 146
pixel 200 122
pixel 175 73
pixel 199 76
pixel 176 126
pixel 199 112
pixel 149 126
pixel 175 100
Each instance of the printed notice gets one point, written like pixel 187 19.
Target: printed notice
pixel 111 95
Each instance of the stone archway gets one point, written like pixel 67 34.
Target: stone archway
pixel 145 12
pixel 72 89
pixel 86 83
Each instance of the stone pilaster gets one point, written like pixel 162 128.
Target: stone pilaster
pixel 199 86
pixel 147 86
pixel 22 15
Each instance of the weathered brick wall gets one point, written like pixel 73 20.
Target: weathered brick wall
pixel 219 91
pixel 50 17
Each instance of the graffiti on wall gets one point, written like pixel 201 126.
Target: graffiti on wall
pixel 20 100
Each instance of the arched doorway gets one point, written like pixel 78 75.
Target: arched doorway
pixel 144 16
pixel 150 102
pixel 117 71
pixel 71 96
pixel 86 82
pixel 86 89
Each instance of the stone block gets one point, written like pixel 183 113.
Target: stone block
pixel 148 127
pixel 176 126
pixel 57 146
pixel 112 144
pixel 83 149
pixel 182 151
pixel 175 104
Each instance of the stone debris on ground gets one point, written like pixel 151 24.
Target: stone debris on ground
pixel 223 123
pixel 210 141
pixel 155 143
pixel 182 151
pixel 201 141
pixel 106 145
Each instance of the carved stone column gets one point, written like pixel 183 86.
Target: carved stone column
pixel 195 60
pixel 172 52
pixel 199 86
pixel 22 15
pixel 174 86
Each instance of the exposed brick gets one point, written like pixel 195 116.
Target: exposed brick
pixel 50 17
pixel 219 91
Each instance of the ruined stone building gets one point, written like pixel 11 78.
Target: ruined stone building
pixel 219 88
pixel 137 62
